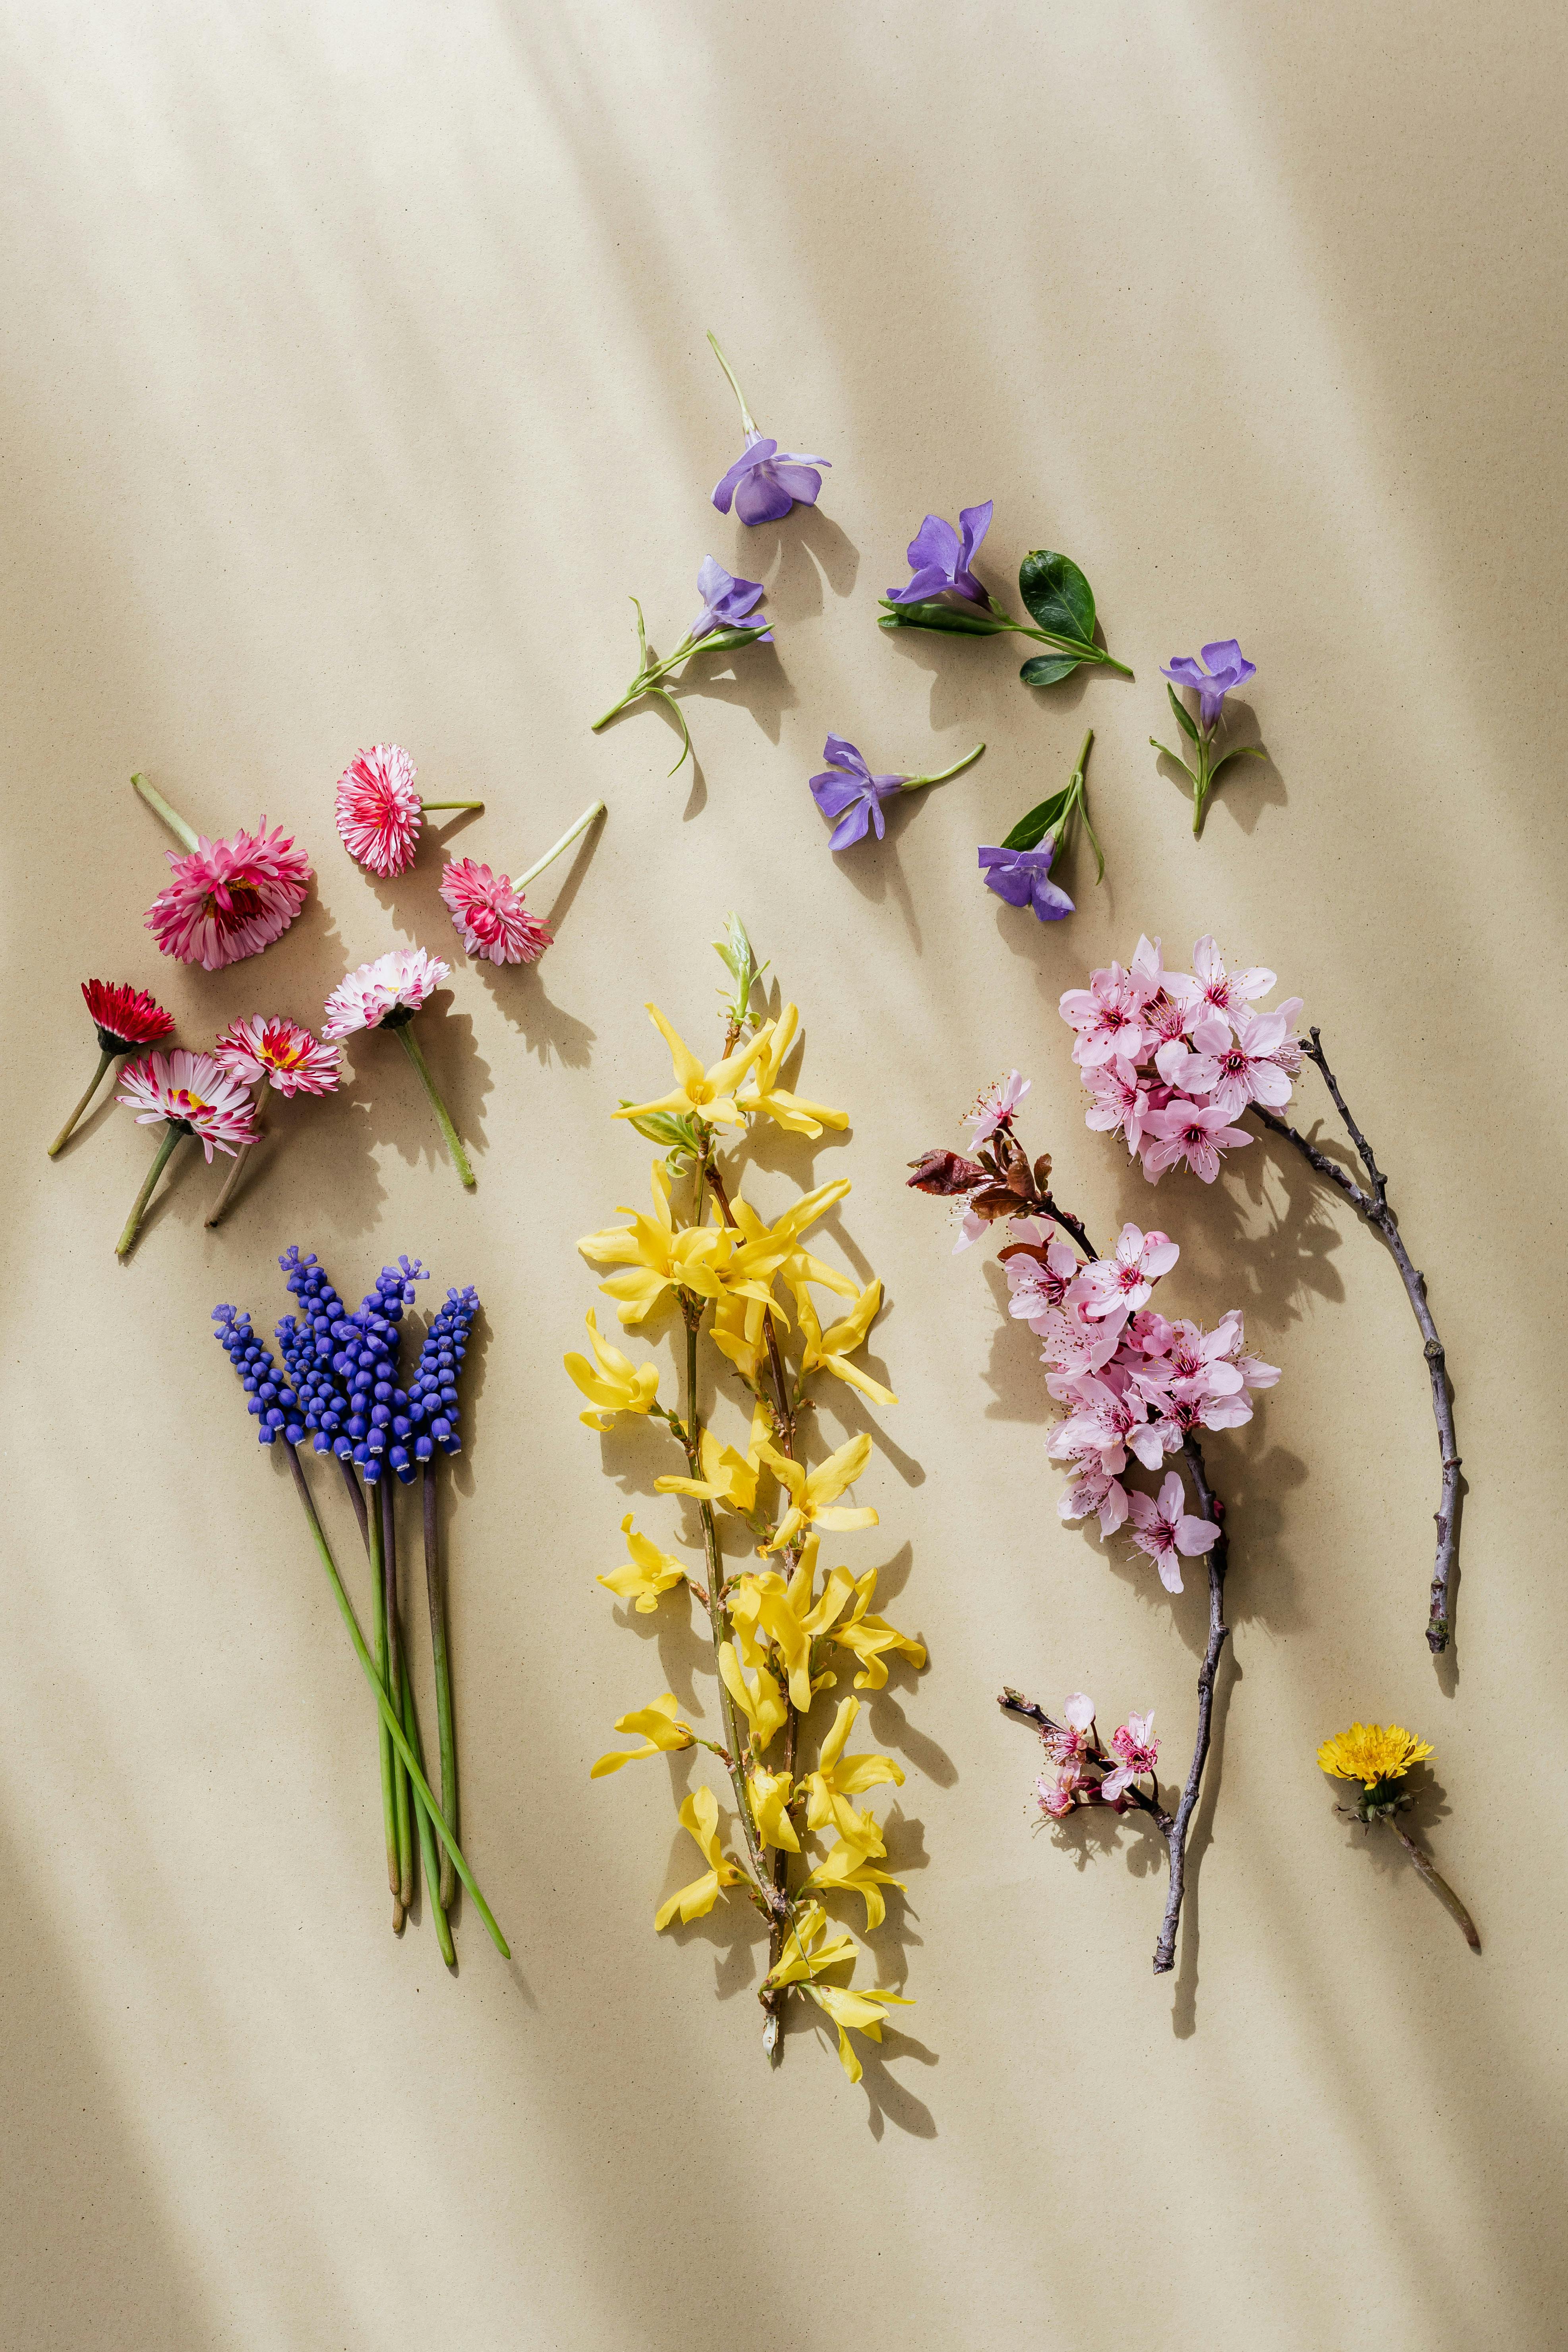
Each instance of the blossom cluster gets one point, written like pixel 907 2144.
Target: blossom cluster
pixel 1083 1773
pixel 1133 1381
pixel 344 1368
pixel 1172 1059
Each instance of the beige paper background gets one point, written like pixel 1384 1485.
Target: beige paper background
pixel 356 376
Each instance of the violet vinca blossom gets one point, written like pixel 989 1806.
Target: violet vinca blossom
pixel 727 603
pixel 765 481
pixel 1228 667
pixel 940 560
pixel 849 791
pixel 1022 877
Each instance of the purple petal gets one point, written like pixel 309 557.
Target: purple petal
pixel 1050 903
pixel 934 547
pixel 843 754
pixel 975 521
pixel 852 828
pixel 1006 875
pixel 1185 671
pixel 755 454
pixel 802 482
pixel 1228 663
pixel 762 497
pixel 930 582
pixel 834 793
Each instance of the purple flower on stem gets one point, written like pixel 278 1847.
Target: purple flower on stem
pixel 764 481
pixel 849 791
pixel 727 603
pixel 1022 877
pixel 941 557
pixel 1228 667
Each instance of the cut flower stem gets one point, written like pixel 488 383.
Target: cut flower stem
pixel 1440 1888
pixel 444 1718
pixel 521 881
pixel 65 1134
pixel 454 1142
pixel 173 1134
pixel 183 834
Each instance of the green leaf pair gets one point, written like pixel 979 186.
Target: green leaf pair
pixel 1060 601
pixel 1208 771
pixel 1056 815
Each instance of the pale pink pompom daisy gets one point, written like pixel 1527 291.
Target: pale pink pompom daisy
pixel 195 1091
pixel 403 978
pixel 228 900
pixel 280 1052
pixel 489 917
pixel 378 810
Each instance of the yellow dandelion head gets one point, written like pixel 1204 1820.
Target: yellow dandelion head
pixel 1370 1752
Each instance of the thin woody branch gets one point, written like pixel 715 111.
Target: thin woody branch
pixel 1373 1207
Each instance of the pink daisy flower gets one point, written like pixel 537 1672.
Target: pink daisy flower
pixel 228 900
pixel 124 1016
pixel 379 812
pixel 194 1092
pixel 489 917
pixel 280 1052
pixel 401 979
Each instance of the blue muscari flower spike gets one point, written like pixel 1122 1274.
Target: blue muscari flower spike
pixel 433 1413
pixel 272 1401
pixel 313 1343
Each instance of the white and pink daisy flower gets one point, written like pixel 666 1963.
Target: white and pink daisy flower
pixel 280 1053
pixel 1170 1533
pixel 400 980
pixel 378 812
pixel 195 1093
pixel 489 917
pixel 228 900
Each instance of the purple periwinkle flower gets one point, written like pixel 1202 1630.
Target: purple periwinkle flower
pixel 1022 877
pixel 1228 667
pixel 939 558
pixel 850 791
pixel 765 481
pixel 727 603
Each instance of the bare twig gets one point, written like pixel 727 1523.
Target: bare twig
pixel 1372 1206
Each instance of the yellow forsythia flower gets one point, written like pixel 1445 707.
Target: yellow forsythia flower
pixel 700 1814
pixel 710 1094
pixel 872 1637
pixel 803 1960
pixel 769 1795
pixel 849 1870
pixel 763 1706
pixel 727 1477
pixel 838 1777
pixel 812 1493
pixel 1370 1752
pixel 613 1381
pixel 763 1092
pixel 660 1730
pixel 656 1256
pixel 831 1349
pixel 646 1575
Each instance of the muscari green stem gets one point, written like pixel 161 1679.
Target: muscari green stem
pixel 454 1142
pixel 388 1782
pixel 429 1852
pixel 567 838
pixel 395 1677
pixel 445 1726
pixel 64 1135
pixel 123 1246
pixel 383 1707
pixel 183 834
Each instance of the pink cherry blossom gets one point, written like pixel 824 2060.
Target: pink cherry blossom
pixel 1120 1103
pixel 1105 1422
pixel 995 1107
pixel 1037 1280
pixel 1192 1131
pixel 1214 988
pixel 1058 1797
pixel 1135 1744
pixel 1122 1283
pixel 1168 1532
pixel 1095 1494
pixel 1106 1016
pixel 1067 1743
pixel 1074 1349
pixel 1247 1070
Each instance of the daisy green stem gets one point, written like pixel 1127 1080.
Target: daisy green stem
pixel 231 1180
pixel 446 804
pixel 123 1246
pixel 429 1853
pixel 399 1735
pixel 913 783
pixel 64 1133
pixel 445 1726
pixel 454 1142
pixel 1440 1888
pixel 522 880
pixel 395 1681
pixel 183 833
pixel 748 422
pixel 388 1791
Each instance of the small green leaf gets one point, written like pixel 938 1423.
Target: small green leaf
pixel 1165 753
pixel 932 615
pixel 1049 669
pixel 673 1128
pixel 1242 751
pixel 1058 595
pixel 1184 719
pixel 724 640
pixel 1031 830
pixel 739 960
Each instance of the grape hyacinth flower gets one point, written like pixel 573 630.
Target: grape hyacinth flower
pixel 124 1017
pixel 848 792
pixel 191 1094
pixel 1227 667
pixel 943 593
pixel 311 1346
pixel 487 910
pixel 764 481
pixel 1018 867
pixel 728 619
pixel 379 812
pixel 226 900
pixel 275 1053
pixel 386 995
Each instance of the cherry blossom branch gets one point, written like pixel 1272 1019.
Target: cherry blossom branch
pixel 1372 1206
